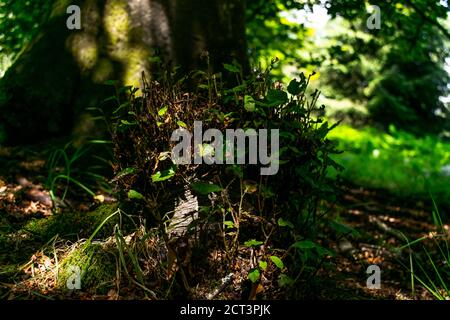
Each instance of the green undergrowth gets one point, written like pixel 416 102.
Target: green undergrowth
pixel 70 225
pixel 19 242
pixel 396 161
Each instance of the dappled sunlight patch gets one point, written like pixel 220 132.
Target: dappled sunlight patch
pixel 84 44
pixel 135 63
pixel 122 47
pixel 103 71
pixel 117 25
pixel 33 165
pixel 49 271
pixel 22 201
pixel 396 161
pixel 97 265
pixel 84 49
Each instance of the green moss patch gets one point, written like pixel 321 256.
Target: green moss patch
pixel 97 268
pixel 72 226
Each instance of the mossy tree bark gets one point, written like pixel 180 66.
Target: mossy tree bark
pixel 62 71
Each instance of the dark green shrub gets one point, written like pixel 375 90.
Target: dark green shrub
pixel 278 215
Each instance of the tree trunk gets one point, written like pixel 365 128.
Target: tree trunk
pixel 62 71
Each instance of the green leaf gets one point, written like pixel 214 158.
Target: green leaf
pixel 111 82
pixel 276 97
pixel 163 111
pixel 321 251
pixel 249 103
pixel 109 99
pixel 235 170
pixel 323 130
pixel 341 228
pixel 133 194
pixel 334 164
pixel 305 244
pixel 277 261
pixel 254 276
pixel 163 175
pixel 266 192
pixel 128 123
pixel 294 87
pixel 205 188
pixel 253 243
pixel 181 124
pixel 285 223
pixel 285 280
pixel 122 106
pixel 238 88
pixel 125 172
pixel 263 264
pixel 229 224
pixel 232 68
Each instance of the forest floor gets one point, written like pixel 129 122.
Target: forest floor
pixel 27 266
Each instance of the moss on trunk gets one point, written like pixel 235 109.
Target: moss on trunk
pixel 62 71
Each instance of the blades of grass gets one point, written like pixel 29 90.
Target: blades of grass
pixel 54 163
pixel 437 216
pixel 95 176
pixel 100 141
pixel 55 256
pixel 411 265
pixel 409 244
pixel 435 290
pixel 41 295
pixel 120 241
pixel 78 183
pixel 120 249
pixel 137 268
pixel 435 294
pixel 86 266
pixel 54 160
pixel 445 257
pixel 102 159
pixel 79 152
pixel 436 210
pixel 437 271
pixel 88 242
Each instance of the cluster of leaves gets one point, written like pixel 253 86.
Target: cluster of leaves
pixel 269 34
pixel 287 206
pixel 276 216
pixel 79 166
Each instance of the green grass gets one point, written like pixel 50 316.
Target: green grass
pixel 430 267
pixel 396 161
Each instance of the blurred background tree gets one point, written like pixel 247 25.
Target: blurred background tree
pixel 396 71
pixel 60 72
pixel 394 75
